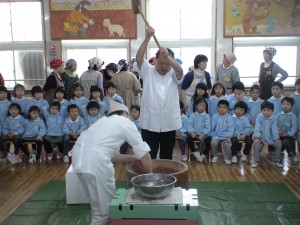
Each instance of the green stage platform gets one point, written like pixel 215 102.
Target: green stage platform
pixel 225 203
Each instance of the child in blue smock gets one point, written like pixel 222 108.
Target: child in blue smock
pixel 242 132
pixel 37 100
pixel 73 126
pixel 19 94
pixel 266 132
pixel 60 96
pixel 4 103
pixel 277 96
pixel 199 130
pixel 182 132
pixel 35 129
pixel 218 93
pixel 91 113
pixel 254 104
pixel 221 131
pixel 13 130
pixel 95 94
pixel 78 97
pixel 238 94
pixel 287 126
pixel 111 90
pixel 296 97
pixel 135 116
pixel 200 92
pixel 54 126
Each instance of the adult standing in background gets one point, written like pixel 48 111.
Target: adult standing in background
pixel 160 113
pixel 193 77
pixel 268 72
pixel 2 83
pixel 128 86
pixel 54 80
pixel 92 76
pixel 227 73
pixel 110 70
pixel 70 77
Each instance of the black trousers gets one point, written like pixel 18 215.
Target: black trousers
pixel 190 143
pixel 165 141
pixel 236 146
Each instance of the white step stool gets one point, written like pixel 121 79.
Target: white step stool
pixel 74 190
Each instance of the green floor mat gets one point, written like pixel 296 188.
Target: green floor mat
pixel 226 203
pixel 232 203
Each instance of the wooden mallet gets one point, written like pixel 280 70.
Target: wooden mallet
pixel 137 9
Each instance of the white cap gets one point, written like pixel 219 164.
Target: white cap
pixel 95 61
pixel 116 106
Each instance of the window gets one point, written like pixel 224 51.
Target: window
pixel 188 27
pixel 21 44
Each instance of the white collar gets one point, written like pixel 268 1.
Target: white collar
pixel 36 119
pixel 78 98
pixel 257 100
pixel 4 100
pixel 19 99
pixel 241 117
pixel 17 117
pixel 281 97
pixel 71 121
pixel 289 113
pixel 200 114
pixel 221 97
pixel 296 93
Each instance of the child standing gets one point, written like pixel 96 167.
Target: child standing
pixel 91 113
pixel 4 103
pixel 277 96
pixel 37 100
pixel 135 116
pixel 78 98
pixel 266 132
pixel 34 131
pixel 218 93
pixel 199 130
pixel 287 127
pixel 13 130
pixel 60 96
pixel 238 90
pixel 242 131
pixel 254 103
pixel 95 94
pixel 296 97
pixel 200 92
pixel 19 94
pixel 221 131
pixel 111 90
pixel 72 128
pixel 54 127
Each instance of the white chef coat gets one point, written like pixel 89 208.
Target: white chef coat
pixel 160 110
pixel 94 150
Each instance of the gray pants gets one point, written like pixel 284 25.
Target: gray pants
pixel 214 148
pixel 276 155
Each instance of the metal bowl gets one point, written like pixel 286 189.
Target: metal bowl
pixel 153 185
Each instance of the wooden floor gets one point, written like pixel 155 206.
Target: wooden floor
pixel 20 181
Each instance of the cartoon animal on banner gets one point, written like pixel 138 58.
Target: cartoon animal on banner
pixel 113 28
pixel 77 22
pixel 249 26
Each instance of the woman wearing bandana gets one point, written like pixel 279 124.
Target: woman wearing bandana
pixel 128 86
pixel 227 73
pixel 70 77
pixel 92 76
pixel 268 73
pixel 54 80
